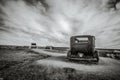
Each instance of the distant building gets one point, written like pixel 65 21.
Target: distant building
pixel 33 45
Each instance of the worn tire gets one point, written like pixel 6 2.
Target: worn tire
pixel 69 53
pixel 97 56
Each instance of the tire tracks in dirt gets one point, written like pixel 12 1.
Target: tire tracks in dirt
pixel 105 65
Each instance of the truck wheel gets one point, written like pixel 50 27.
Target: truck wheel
pixel 69 53
pixel 97 56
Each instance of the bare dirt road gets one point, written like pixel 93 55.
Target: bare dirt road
pixel 105 65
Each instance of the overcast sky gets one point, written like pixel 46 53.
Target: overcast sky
pixel 52 22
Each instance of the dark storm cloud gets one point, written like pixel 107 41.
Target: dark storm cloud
pixel 2 2
pixel 113 4
pixel 34 2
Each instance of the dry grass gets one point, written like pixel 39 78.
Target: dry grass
pixel 35 72
pixel 11 61
pixel 22 66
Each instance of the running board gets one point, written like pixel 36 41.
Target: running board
pixel 82 59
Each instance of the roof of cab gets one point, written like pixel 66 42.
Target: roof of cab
pixel 83 36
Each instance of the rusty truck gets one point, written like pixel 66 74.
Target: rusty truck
pixel 82 47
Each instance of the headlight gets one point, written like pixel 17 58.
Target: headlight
pixel 80 54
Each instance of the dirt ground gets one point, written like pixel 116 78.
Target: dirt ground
pixel 104 66
pixel 38 64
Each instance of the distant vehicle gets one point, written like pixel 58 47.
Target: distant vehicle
pixel 82 48
pixel 117 54
pixel 33 45
pixel 49 47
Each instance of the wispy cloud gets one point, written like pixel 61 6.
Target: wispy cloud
pixel 52 22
